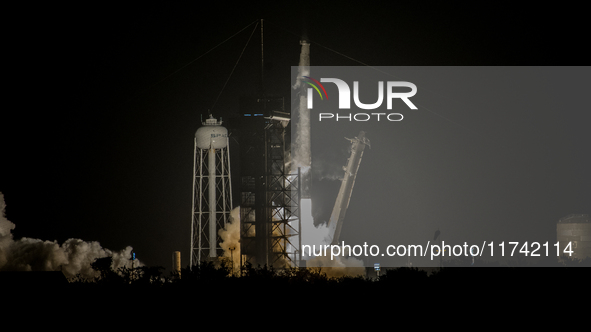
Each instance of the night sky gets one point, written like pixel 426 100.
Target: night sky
pixel 97 140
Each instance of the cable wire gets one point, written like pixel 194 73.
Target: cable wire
pixel 236 64
pixel 199 57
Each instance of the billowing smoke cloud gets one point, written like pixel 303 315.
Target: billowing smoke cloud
pixel 311 234
pixel 73 257
pixel 231 237
pixel 319 236
pixel 339 267
pixel 6 228
pixel 328 169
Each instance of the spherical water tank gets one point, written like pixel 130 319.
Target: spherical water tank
pixel 212 135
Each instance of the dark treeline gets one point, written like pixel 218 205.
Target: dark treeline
pixel 212 289
pixel 218 276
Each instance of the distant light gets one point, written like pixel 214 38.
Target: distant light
pixel 246 114
pixel 376 266
pixel 258 115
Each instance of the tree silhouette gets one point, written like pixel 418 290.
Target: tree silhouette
pixel 150 275
pixel 106 273
pixel 403 274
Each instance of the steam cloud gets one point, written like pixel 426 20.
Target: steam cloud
pixel 318 236
pixel 73 257
pixel 327 169
pixel 231 237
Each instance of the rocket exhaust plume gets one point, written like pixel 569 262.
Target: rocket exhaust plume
pixel 302 156
pixel 73 257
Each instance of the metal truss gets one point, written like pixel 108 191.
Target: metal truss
pixel 270 200
pixel 205 241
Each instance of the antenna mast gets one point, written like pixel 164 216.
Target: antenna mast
pixel 262 60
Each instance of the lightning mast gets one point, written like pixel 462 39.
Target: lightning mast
pixel 269 192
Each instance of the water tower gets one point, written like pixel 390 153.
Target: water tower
pixel 212 190
pixel 576 230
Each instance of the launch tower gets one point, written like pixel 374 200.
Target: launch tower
pixel 269 193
